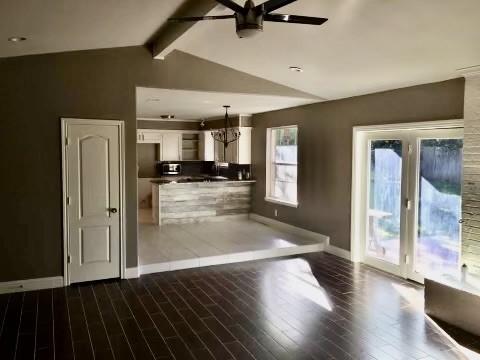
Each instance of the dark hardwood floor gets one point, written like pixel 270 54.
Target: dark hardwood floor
pixel 315 306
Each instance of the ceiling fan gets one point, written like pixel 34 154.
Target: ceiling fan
pixel 249 18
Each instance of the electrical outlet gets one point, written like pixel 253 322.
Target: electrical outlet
pixel 276 212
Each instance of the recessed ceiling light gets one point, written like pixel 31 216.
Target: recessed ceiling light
pixel 169 116
pixel 295 69
pixel 17 38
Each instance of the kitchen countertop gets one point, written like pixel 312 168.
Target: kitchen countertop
pixel 171 182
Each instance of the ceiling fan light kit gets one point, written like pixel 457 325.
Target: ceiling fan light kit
pixel 249 18
pixel 248 25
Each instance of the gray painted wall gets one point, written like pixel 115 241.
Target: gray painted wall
pixel 325 149
pixel 147 156
pixel 35 92
pixel 168 125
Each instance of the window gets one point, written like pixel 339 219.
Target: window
pixel 282 165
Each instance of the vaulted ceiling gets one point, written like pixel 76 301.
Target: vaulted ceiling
pixel 366 46
pixel 66 25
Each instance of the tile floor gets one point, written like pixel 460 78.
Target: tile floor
pixel 313 306
pixel 173 247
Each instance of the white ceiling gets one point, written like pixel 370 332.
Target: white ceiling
pixel 194 105
pixel 65 25
pixel 366 46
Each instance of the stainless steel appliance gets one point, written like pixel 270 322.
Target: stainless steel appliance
pixel 171 169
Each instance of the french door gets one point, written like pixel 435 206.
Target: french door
pixel 413 201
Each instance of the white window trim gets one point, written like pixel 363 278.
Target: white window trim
pixel 268 168
pixel 281 202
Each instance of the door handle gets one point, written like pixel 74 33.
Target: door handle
pixel 112 210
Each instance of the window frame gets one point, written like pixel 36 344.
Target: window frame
pixel 269 164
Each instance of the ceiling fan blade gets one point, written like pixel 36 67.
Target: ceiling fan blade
pixel 294 19
pixel 272 5
pixel 200 18
pixel 231 5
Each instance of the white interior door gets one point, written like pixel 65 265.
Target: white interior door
pixel 93 171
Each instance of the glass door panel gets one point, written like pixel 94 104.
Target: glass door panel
pixel 437 240
pixel 384 201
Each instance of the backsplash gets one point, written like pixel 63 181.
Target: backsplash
pixel 192 168
pixel 195 168
pixel 232 171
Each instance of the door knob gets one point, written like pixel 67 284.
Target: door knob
pixel 112 210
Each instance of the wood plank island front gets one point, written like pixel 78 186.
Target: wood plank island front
pixel 182 203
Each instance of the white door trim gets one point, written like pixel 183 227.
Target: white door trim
pixel 358 172
pixel 121 127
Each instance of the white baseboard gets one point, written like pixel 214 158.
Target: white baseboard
pixel 131 273
pixel 344 254
pixel 31 284
pixel 289 228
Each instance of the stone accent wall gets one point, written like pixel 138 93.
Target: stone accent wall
pixel 471 176
pixel 184 203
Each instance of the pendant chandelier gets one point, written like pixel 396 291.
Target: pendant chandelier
pixel 226 135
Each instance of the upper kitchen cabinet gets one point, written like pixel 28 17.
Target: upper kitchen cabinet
pixel 171 147
pixel 169 143
pixel 207 146
pixel 191 144
pixel 237 152
pixel 149 136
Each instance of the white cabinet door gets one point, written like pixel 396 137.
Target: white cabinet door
pixel 231 153
pixel 171 147
pixel 244 147
pixel 207 146
pixel 93 178
pixel 151 136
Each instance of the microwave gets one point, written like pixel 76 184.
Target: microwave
pixel 171 169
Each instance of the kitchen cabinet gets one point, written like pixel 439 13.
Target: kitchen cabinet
pixel 207 146
pixel 169 143
pixel 191 146
pixel 238 152
pixel 149 136
pixel 171 147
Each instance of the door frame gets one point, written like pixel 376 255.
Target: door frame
pixel 359 172
pixel 121 132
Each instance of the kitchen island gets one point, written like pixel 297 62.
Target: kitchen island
pixel 191 202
